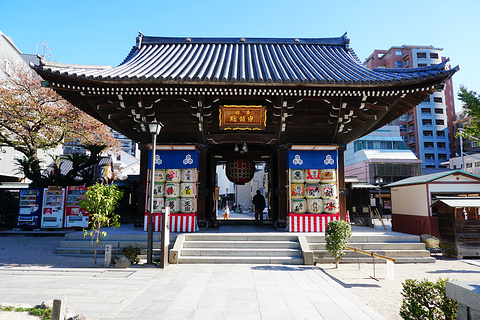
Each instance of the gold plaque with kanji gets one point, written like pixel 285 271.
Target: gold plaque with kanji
pixel 243 117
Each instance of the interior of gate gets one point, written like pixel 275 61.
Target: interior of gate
pixel 241 138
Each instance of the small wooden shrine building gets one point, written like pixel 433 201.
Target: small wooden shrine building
pixel 412 199
pixel 294 102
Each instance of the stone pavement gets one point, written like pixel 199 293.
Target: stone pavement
pixel 31 273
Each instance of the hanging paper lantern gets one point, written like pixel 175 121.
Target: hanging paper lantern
pixel 240 171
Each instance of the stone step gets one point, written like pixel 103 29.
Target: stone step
pixel 75 251
pixel 119 237
pixel 362 238
pixel 241 244
pixel 242 260
pixel 366 259
pixel 375 246
pixel 114 244
pixel 241 252
pixel 387 253
pixel 240 237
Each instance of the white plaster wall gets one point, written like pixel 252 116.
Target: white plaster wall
pixel 410 200
pixel 457 188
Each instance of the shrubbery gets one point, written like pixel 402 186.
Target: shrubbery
pixel 336 238
pixel 426 300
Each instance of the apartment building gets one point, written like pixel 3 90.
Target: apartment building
pixel 428 129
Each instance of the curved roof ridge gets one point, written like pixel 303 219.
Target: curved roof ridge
pixel 150 40
pixel 438 66
pixel 252 60
pixel 48 63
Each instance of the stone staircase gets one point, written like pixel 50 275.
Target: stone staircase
pixel 255 248
pixel 74 244
pixel 238 248
pixel 403 248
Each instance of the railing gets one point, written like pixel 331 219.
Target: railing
pixel 373 255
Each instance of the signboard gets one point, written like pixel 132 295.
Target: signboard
pixel 178 159
pixel 299 159
pixel 243 117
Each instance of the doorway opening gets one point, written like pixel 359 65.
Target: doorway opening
pixel 238 196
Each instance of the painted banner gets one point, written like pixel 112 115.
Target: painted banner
pixel 178 222
pixel 310 222
pixel 322 159
pixel 179 159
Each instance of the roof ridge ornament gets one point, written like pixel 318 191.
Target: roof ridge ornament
pixel 140 38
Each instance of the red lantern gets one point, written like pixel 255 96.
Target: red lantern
pixel 240 171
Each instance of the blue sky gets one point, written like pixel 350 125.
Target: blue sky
pixel 102 32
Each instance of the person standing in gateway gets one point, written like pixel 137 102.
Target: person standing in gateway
pixel 259 203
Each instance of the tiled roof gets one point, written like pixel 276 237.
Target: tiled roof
pixel 229 60
pixel 460 202
pixel 428 178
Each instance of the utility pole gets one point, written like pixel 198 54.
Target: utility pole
pixel 461 148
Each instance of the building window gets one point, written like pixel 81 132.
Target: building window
pixel 398 52
pixel 468 165
pixel 428 145
pixel 438 111
pixel 387 145
pixel 8 67
pixel 421 65
pixel 430 166
pixel 442 156
pixel 429 156
pixel 439 122
pixel 433 55
pixel 477 163
pixel 426 122
pixel 407 63
pixel 398 64
pixel 426 111
pixel 440 133
pixel 474 144
pixel 428 133
pixel 437 99
pixel 441 145
pixel 421 55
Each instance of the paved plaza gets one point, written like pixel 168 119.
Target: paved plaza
pixel 31 273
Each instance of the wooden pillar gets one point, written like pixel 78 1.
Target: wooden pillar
pixel 280 190
pixel 342 198
pixel 141 188
pixel 203 189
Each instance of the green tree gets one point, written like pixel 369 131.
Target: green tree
pixel 34 118
pixel 471 105
pixel 81 168
pixel 101 201
pixel 336 237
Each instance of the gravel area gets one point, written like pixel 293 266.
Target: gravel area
pixel 384 295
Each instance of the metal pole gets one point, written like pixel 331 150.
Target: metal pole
pixel 150 214
pixel 165 239
pixel 380 199
pixel 461 148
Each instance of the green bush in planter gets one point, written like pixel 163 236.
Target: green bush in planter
pixel 131 254
pixel 426 300
pixel 336 238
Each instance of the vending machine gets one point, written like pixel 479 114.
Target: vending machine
pixel 75 217
pixel 53 204
pixel 29 208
